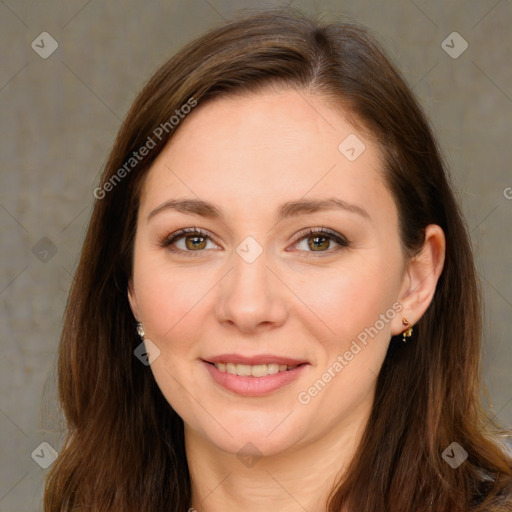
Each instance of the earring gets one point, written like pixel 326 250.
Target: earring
pixel 408 332
pixel 140 330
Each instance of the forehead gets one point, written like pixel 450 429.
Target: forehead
pixel 249 151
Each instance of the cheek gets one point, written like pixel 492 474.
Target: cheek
pixel 349 299
pixel 169 300
pixel 357 308
pixel 167 297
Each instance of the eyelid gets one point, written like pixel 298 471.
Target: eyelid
pixel 325 231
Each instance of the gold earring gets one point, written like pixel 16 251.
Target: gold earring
pixel 408 332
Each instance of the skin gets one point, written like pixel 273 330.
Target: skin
pixel 248 155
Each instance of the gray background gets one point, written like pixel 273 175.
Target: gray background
pixel 59 117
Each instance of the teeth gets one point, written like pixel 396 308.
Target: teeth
pixel 257 370
pixel 243 369
pixel 272 369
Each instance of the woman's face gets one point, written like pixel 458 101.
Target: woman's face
pixel 260 282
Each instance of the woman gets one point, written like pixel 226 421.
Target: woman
pixel 276 302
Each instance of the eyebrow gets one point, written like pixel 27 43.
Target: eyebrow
pixel 286 210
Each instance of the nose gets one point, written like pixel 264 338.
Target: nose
pixel 251 297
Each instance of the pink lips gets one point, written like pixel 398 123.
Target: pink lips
pixel 254 386
pixel 259 359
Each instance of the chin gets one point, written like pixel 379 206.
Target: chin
pixel 256 440
pixel 257 445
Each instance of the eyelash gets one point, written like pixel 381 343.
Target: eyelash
pixel 304 234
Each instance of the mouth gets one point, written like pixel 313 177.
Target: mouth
pixel 255 370
pixel 256 379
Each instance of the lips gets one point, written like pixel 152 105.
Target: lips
pixel 254 360
pixel 261 381
pixel 253 375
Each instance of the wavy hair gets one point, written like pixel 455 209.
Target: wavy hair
pixel 124 446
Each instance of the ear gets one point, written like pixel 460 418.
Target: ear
pixel 420 278
pixel 132 299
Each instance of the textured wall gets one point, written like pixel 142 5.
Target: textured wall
pixel 59 116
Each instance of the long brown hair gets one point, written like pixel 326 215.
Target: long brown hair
pixel 125 446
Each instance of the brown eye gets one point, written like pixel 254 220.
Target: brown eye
pixel 189 241
pixel 194 242
pixel 318 243
pixel 321 240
